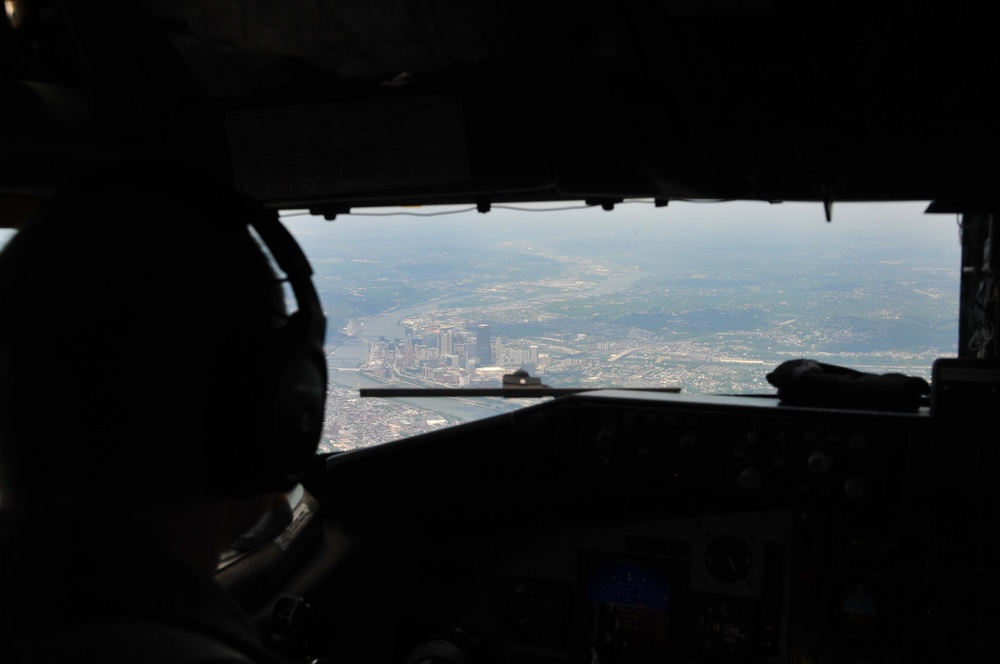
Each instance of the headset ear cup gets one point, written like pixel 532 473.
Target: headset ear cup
pixel 270 416
pixel 298 415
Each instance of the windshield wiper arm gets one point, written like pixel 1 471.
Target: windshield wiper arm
pixel 507 392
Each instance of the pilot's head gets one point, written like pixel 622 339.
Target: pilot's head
pixel 145 346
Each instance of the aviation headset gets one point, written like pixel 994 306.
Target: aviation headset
pixel 265 426
pixel 268 443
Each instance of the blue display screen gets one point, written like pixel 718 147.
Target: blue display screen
pixel 629 603
pixel 630 583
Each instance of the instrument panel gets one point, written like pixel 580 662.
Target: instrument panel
pixel 624 527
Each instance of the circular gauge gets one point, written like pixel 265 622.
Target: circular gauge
pixel 728 559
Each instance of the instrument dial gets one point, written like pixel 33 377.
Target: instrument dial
pixel 729 559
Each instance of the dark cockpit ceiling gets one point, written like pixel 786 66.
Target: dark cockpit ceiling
pixel 345 104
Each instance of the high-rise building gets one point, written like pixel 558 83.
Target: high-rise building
pixel 447 341
pixel 483 345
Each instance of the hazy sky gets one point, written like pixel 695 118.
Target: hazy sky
pixel 698 225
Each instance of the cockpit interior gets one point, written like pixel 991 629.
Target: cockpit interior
pixel 830 521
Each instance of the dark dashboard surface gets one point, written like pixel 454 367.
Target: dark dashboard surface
pixel 619 526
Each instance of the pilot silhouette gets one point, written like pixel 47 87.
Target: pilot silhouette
pixel 155 399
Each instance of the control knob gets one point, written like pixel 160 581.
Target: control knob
pixel 750 478
pixel 820 461
pixel 690 445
